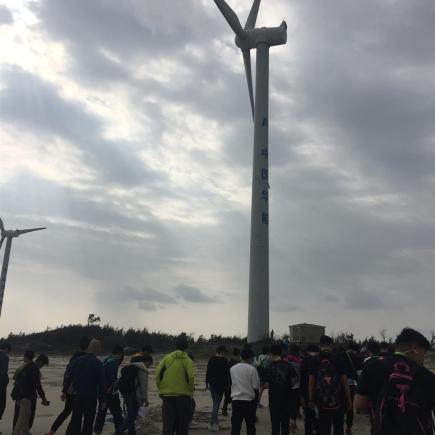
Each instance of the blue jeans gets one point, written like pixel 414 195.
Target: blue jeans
pixel 216 397
pixel 132 406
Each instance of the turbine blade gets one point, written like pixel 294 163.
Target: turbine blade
pixel 30 230
pixel 231 17
pixel 1 242
pixel 248 70
pixel 252 18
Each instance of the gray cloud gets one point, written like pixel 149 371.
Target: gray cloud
pixel 192 294
pixel 351 153
pixel 5 15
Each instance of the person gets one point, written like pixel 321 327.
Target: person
pixel 397 390
pixel 310 421
pixel 68 393
pixel 328 389
pixel 263 361
pixel 235 359
pixel 279 381
pixel 87 378
pixel 133 385
pixel 294 359
pixel 372 352
pixel 27 387
pixel 245 385
pixel 111 365
pixel 352 366
pixel 175 379
pixel 5 350
pixel 385 349
pixel 217 380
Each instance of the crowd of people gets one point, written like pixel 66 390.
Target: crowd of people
pixel 325 383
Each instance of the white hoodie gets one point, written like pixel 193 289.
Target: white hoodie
pixel 141 382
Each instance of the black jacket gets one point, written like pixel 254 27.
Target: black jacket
pixel 218 373
pixel 28 382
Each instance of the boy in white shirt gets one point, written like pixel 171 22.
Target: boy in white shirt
pixel 245 384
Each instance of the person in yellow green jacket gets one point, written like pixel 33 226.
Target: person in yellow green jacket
pixel 175 378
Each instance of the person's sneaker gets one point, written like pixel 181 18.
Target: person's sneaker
pixel 224 412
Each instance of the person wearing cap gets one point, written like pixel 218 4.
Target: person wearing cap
pixel 217 380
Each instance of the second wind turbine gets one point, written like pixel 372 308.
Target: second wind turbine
pixel 261 39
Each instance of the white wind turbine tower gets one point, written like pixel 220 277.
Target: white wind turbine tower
pixel 260 39
pixel 8 235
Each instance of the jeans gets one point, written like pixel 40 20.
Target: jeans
pixel 279 410
pixel 3 388
pixel 311 423
pixel 82 419
pixel 67 410
pixel 176 413
pixel 243 410
pixel 216 396
pixel 329 419
pixel 349 413
pixel 113 404
pixel 21 424
pixel 132 406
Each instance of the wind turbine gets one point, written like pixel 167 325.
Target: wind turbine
pixel 261 39
pixel 8 235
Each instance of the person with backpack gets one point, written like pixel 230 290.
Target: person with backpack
pixel 68 393
pixel 399 391
pixel 133 385
pixel 5 350
pixel 217 380
pixel 175 379
pixel 87 378
pixel 310 422
pixel 294 360
pixel 27 387
pixel 111 365
pixel 235 359
pixel 279 380
pixel 352 365
pixel 328 389
pixel 245 385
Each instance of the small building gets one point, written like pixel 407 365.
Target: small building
pixel 305 333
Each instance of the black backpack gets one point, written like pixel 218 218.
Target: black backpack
pixel 127 381
pixel 328 386
pixel 19 389
pixel 401 408
pixel 278 374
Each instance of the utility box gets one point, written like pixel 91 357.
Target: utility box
pixel 305 333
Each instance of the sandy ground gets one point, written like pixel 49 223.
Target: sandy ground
pixel 52 378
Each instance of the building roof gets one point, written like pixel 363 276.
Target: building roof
pixel 307 324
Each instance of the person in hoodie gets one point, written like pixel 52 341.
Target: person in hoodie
pixel 87 378
pixel 68 393
pixel 138 396
pixel 5 350
pixel 217 380
pixel 27 387
pixel 111 365
pixel 175 378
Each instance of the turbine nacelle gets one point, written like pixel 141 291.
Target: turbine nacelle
pixel 271 36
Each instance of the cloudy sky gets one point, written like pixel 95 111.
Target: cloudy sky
pixel 125 128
